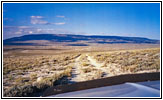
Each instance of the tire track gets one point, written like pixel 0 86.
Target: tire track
pixel 97 65
pixel 75 75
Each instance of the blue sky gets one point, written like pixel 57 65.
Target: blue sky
pixel 120 19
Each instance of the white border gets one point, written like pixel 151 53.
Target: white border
pixel 82 1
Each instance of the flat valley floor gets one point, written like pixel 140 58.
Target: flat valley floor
pixel 29 70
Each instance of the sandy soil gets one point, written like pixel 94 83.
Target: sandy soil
pixel 76 76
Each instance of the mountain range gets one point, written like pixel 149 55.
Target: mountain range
pixel 74 40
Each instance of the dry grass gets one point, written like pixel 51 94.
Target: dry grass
pixel 25 75
pixel 25 70
pixel 132 60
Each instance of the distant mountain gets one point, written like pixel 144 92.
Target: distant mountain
pixel 74 40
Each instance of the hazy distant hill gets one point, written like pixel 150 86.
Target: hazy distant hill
pixel 74 40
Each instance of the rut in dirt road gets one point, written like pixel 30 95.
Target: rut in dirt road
pixel 97 65
pixel 75 75
pixel 93 62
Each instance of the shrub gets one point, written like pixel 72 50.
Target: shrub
pixel 33 76
pixel 20 91
pixel 85 64
pixel 87 70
